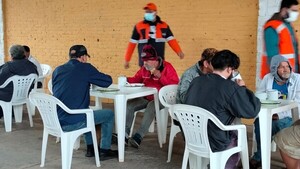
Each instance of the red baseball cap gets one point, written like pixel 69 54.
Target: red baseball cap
pixel 150 6
pixel 149 53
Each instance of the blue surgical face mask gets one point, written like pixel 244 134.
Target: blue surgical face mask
pixel 149 16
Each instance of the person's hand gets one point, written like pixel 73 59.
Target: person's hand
pixel 156 73
pixel 181 55
pixel 126 65
pixel 240 82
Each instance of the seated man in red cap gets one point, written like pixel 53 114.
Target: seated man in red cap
pixel 154 73
pixel 152 30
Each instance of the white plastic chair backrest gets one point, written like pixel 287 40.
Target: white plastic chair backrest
pixel 167 96
pixel 46 69
pixel 50 86
pixel 194 124
pixel 21 86
pixel 47 106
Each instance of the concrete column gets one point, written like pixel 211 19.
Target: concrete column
pixel 1 35
pixel 266 9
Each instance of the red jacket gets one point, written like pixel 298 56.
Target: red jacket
pixel 168 76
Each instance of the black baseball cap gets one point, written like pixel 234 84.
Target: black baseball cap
pixel 77 51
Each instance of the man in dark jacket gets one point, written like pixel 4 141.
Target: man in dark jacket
pixel 224 98
pixel 71 84
pixel 18 65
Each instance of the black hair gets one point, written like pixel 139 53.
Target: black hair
pixel 224 59
pixel 288 3
pixel 26 48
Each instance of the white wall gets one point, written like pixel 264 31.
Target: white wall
pixel 1 35
pixel 266 9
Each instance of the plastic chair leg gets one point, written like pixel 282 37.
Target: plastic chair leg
pixel 174 130
pixel 185 159
pixel 94 137
pixel 164 114
pixel 77 144
pixel 66 151
pixel 131 129
pixel 30 110
pixel 18 112
pixel 151 128
pixel 44 148
pixel 7 117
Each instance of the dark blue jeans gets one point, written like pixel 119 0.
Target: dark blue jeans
pixel 103 117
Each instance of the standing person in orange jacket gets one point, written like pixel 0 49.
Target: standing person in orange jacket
pixel 280 37
pixel 152 30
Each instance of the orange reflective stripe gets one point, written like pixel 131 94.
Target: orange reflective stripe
pixel 292 63
pixel 265 69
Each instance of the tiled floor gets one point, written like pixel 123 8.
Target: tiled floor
pixel 21 148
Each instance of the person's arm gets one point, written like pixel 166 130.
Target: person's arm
pixel 185 82
pixel 271 43
pixel 244 104
pixel 137 78
pixel 173 43
pixel 98 78
pixel 169 75
pixel 131 46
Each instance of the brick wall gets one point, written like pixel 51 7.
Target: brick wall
pixel 105 26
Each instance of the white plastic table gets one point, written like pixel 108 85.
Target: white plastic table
pixel 120 102
pixel 265 125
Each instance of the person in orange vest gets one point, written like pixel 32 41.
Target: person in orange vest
pixel 280 37
pixel 152 30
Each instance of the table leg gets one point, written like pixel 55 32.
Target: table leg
pixel 120 119
pixel 159 120
pixel 98 103
pixel 265 120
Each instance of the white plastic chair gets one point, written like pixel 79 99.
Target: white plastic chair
pixel 194 122
pixel 49 85
pixel 21 87
pixel 77 143
pixel 46 72
pixel 167 97
pixel 47 106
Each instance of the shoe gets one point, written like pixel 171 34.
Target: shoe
pixel 126 142
pixel 106 154
pixel 254 164
pixel 1 113
pixel 114 139
pixel 90 151
pixel 135 141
